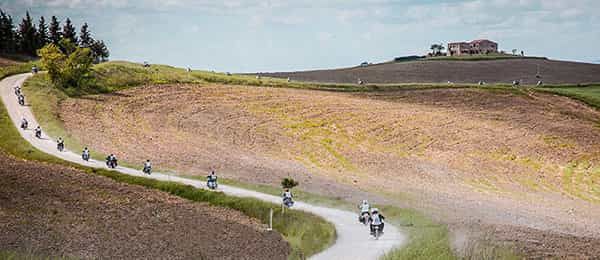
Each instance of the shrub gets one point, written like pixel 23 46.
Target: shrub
pixel 67 65
pixel 289 183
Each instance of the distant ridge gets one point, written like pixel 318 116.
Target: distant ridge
pixel 501 71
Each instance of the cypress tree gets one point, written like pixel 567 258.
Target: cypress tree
pixel 99 51
pixel 54 30
pixel 27 36
pixel 85 37
pixel 42 33
pixel 7 33
pixel 69 32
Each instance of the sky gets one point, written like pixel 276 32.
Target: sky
pixel 285 35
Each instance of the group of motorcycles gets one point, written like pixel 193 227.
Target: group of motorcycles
pixel 372 218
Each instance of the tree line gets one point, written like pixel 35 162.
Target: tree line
pixel 28 37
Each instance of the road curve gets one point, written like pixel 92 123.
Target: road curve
pixel 353 240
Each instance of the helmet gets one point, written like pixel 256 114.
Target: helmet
pixel 375 210
pixel 365 202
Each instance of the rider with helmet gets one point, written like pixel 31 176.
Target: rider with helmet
pixel 85 155
pixel 111 161
pixel 211 180
pixel 24 123
pixel 365 211
pixel 376 219
pixel 60 144
pixel 288 197
pixel 147 167
pixel 38 132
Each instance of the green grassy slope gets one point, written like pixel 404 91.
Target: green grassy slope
pixel 587 94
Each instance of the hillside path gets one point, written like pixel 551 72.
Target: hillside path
pixel 353 240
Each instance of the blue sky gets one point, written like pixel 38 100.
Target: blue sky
pixel 281 35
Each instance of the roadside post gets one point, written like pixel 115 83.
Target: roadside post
pixel 270 219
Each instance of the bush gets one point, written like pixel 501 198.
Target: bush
pixel 67 64
pixel 289 183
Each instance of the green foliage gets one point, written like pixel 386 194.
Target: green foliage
pixel 54 30
pixel 42 34
pixel 288 183
pixel 68 69
pixel 69 33
pixel 67 46
pixel 26 39
pixel 8 36
pixel 52 60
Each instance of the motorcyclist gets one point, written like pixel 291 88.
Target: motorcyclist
pixel 34 69
pixel 364 208
pixel 376 219
pixel 147 167
pixel 60 144
pixel 21 99
pixel 38 132
pixel 111 161
pixel 211 180
pixel 24 123
pixel 17 91
pixel 288 197
pixel 85 155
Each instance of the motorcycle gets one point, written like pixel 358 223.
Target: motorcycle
pixel 111 163
pixel 364 218
pixel 24 125
pixel 147 170
pixel 21 100
pixel 85 156
pixel 377 231
pixel 60 147
pixel 212 184
pixel 38 133
pixel 288 202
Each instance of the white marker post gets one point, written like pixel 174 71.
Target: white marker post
pixel 270 220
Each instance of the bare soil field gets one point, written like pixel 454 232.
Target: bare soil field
pixel 526 161
pixel 52 210
pixel 489 71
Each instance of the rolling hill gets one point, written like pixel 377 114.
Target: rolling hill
pixel 502 71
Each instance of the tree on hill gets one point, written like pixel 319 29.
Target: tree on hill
pixel 54 30
pixel 27 36
pixel 85 37
pixel 42 33
pixel 66 69
pixel 436 49
pixel 7 33
pixel 99 51
pixel 68 32
pixel 26 39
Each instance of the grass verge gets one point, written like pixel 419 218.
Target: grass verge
pixel 10 70
pixel 426 238
pixel 307 234
pixel 586 94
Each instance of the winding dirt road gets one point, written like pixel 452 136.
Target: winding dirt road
pixel 353 241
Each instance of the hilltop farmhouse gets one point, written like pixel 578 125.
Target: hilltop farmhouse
pixel 473 47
